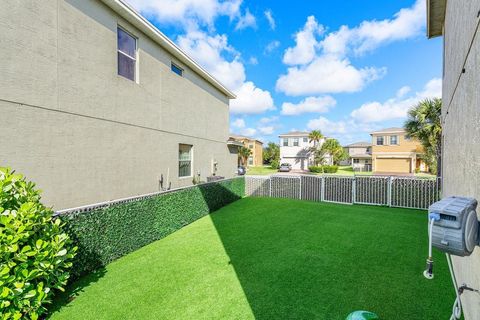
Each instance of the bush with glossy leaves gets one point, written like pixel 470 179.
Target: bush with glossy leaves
pixel 35 253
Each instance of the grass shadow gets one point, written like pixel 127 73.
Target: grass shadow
pixel 306 260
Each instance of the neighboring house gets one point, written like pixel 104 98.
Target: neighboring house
pixel 458 22
pixel 295 149
pixel 359 156
pixel 101 105
pixel 393 152
pixel 256 158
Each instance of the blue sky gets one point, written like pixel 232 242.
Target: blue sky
pixel 344 67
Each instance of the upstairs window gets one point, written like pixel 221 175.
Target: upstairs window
pixel 176 69
pixel 285 142
pixel 295 142
pixel 356 160
pixel 250 146
pixel 305 140
pixel 127 54
pixel 379 141
pixel 184 160
pixel 394 140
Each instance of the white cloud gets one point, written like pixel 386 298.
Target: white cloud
pixel 403 91
pixel 249 132
pixel 189 13
pixel 310 104
pixel 238 123
pixel 253 60
pixel 271 20
pixel 266 120
pixel 406 23
pixel 266 130
pixel 338 128
pixel 251 100
pixel 433 89
pixel 397 107
pixel 323 66
pixel 246 21
pixel 272 46
pixel 209 51
pixel 306 43
pixel 327 74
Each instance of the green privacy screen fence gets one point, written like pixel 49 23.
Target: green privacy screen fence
pixel 106 231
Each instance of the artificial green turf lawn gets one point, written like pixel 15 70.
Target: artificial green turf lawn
pixel 275 259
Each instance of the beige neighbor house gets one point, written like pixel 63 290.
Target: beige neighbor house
pixel 359 156
pixel 295 149
pixel 393 152
pixel 459 22
pixel 97 104
pixel 256 146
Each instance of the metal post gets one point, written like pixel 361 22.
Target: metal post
pixel 322 192
pixel 270 185
pixel 300 187
pixel 389 191
pixel 354 194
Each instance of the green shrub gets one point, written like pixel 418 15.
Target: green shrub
pixel 275 164
pixel 315 169
pixel 109 233
pixel 330 169
pixel 35 254
pixel 324 169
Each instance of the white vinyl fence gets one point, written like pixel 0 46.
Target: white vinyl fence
pixel 404 192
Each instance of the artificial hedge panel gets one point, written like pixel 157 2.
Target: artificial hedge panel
pixel 109 233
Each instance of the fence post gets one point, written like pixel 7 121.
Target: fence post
pixel 270 186
pixel 389 191
pixel 322 192
pixel 354 187
pixel 300 187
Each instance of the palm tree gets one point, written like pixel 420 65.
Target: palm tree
pixel 424 123
pixel 244 153
pixel 335 149
pixel 315 136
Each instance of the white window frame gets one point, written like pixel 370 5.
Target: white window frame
pixel 285 142
pixel 296 142
pixel 135 59
pixel 383 140
pixel 396 142
pixel 191 161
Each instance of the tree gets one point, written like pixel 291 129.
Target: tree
pixel 424 123
pixel 244 153
pixel 319 157
pixel 335 149
pixel 315 136
pixel 271 153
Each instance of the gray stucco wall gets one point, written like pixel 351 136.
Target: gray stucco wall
pixel 85 134
pixel 461 116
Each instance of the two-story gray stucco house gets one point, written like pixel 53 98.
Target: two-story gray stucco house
pixel 359 156
pixel 97 104
pixel 459 23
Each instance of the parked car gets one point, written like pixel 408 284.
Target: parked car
pixel 241 170
pixel 285 167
